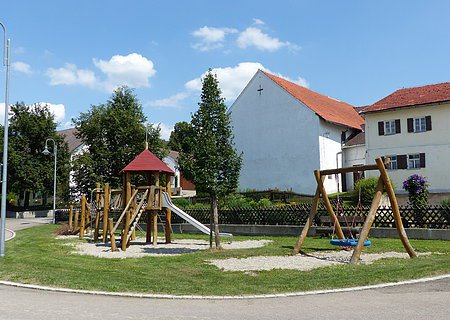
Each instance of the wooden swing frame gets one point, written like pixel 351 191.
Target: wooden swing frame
pixel 384 183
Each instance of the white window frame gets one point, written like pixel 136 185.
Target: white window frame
pixel 389 127
pixel 392 165
pixel 420 124
pixel 414 161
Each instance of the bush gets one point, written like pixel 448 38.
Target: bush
pixel 368 188
pixel 446 202
pixel 417 187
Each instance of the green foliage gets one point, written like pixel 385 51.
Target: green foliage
pixel 417 187
pixel 212 163
pixel 368 188
pixel 446 202
pixel 240 201
pixel 114 135
pixel 180 137
pixel 29 168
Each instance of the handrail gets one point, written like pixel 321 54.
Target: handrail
pixel 124 211
pixel 138 208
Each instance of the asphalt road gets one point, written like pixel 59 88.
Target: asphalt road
pixel 418 301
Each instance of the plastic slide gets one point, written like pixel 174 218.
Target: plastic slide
pixel 167 203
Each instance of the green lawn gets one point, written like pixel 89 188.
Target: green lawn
pixel 36 257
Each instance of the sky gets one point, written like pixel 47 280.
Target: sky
pixel 73 54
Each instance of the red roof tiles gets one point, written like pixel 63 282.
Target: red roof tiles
pixel 409 97
pixel 325 107
pixel 147 161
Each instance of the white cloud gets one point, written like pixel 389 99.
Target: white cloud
pixel 166 130
pixel 257 38
pixel 2 113
pixel 71 75
pixel 232 80
pixel 172 101
pixel 58 110
pixel 21 67
pixel 133 70
pixel 258 22
pixel 210 37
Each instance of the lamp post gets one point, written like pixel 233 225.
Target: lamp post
pixel 55 152
pixel 7 63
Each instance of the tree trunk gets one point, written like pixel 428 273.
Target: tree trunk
pixel 215 209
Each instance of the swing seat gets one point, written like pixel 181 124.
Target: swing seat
pixel 348 242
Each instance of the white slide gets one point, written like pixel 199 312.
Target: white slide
pixel 167 203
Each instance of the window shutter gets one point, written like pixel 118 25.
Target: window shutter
pixel 381 128
pixel 410 125
pixel 422 160
pixel 397 126
pixel 428 123
pixel 402 161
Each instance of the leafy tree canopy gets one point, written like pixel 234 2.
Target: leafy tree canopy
pixel 180 137
pixel 29 169
pixel 114 134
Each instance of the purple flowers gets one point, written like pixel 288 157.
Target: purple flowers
pixel 417 187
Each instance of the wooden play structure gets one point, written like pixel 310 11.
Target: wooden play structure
pixel 132 201
pixel 384 184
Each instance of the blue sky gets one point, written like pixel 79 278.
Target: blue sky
pixel 72 54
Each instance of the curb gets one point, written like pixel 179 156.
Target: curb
pixel 192 297
pixel 13 234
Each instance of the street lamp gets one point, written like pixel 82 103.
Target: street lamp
pixel 46 152
pixel 7 63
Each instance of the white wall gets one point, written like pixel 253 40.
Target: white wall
pixel 435 144
pixel 173 164
pixel 278 136
pixel 353 156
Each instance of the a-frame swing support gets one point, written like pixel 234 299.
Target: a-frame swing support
pixel 384 183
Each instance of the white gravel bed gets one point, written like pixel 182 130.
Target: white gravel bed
pixel 139 248
pixel 300 262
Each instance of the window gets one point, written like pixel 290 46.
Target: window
pixel 389 127
pixel 392 164
pixel 414 161
pixel 419 125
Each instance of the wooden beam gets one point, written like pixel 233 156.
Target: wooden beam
pixel 111 234
pixel 106 200
pixel 97 212
pixel 308 223
pixel 83 216
pixel 349 169
pixel 395 210
pixel 368 222
pixel 328 206
pixel 155 212
pixel 168 230
pixel 77 216
pixel 71 218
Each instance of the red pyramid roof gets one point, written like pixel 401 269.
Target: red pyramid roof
pixel 147 161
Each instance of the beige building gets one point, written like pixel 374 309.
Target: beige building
pixel 411 127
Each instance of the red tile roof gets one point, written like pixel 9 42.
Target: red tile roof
pixel 147 161
pixel 325 107
pixel 409 97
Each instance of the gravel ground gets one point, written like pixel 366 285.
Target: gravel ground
pixel 301 262
pixel 139 248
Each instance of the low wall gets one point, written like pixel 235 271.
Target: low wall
pixel 29 214
pixel 294 231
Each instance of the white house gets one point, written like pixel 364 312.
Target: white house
pixel 286 131
pixel 411 128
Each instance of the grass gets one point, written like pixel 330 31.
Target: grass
pixel 36 257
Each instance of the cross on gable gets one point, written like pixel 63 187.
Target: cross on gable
pixel 260 89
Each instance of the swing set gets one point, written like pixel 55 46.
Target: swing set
pixel 384 183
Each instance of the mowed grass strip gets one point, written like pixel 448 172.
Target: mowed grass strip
pixel 36 257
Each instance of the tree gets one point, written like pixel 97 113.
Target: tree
pixel 29 169
pixel 212 163
pixel 180 137
pixel 113 134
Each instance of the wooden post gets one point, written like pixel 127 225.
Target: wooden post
pixel 111 233
pixel 395 210
pixel 71 218
pixel 368 222
pixel 155 212
pixel 88 218
pixel 77 216
pixel 97 211
pixel 308 223
pixel 168 230
pixel 328 206
pixel 151 198
pixel 83 216
pixel 125 232
pixel 106 198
